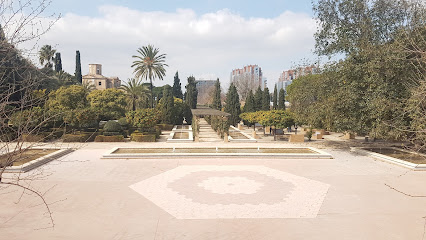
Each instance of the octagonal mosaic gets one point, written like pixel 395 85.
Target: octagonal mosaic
pixel 213 192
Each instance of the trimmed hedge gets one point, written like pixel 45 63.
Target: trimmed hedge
pixel 116 138
pixel 79 137
pixel 166 127
pixel 41 137
pixel 112 126
pixel 137 137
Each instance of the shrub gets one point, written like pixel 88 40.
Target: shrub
pixel 102 138
pixel 309 134
pixel 165 127
pixel 143 118
pixel 143 138
pixel 111 133
pixel 123 123
pixel 112 126
pixel 41 137
pixel 79 137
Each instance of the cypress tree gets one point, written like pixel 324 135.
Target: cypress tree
pixel 167 105
pixel 177 87
pixel 275 98
pixel 281 100
pixel 58 62
pixel 217 102
pixel 258 96
pixel 250 104
pixel 77 74
pixel 2 35
pixel 191 93
pixel 233 105
pixel 266 100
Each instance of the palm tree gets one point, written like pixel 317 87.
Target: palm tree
pixel 135 91
pixel 46 54
pixel 88 87
pixel 149 65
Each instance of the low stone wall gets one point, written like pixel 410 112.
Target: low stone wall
pixel 38 162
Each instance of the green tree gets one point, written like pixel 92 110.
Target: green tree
pixel 232 105
pixel 191 93
pixel 2 35
pixel 266 100
pixel 143 119
pixel 110 104
pixel 351 26
pixel 46 54
pixel 275 99
pixel 166 106
pixel 68 98
pixel 157 91
pixel 78 75
pixel 136 92
pixel 58 62
pixel 258 98
pixel 217 101
pixel 177 87
pixel 64 78
pixel 149 64
pixel 281 100
pixel 249 106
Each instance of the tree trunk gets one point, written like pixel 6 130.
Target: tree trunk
pixel 152 94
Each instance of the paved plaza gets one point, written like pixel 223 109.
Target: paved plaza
pixel 348 197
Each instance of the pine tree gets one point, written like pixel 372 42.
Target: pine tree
pixel 217 102
pixel 266 100
pixel 250 104
pixel 177 87
pixel 78 75
pixel 258 96
pixel 233 105
pixel 58 62
pixel 281 100
pixel 191 93
pixel 275 99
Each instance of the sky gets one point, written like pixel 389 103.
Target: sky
pixel 203 38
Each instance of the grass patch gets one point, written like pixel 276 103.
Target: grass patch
pixel 213 150
pixel 402 155
pixel 18 159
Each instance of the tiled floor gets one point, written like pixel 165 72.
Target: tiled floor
pixel 215 198
pixel 247 191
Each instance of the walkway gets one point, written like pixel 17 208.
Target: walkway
pixel 207 134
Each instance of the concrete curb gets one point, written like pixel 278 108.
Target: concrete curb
pixel 396 161
pixel 39 161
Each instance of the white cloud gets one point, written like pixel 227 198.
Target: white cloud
pixel 208 45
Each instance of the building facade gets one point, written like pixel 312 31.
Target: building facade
pixel 287 77
pixel 99 81
pixel 205 90
pixel 251 75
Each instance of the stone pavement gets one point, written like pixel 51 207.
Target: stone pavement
pixel 207 134
pixel 216 198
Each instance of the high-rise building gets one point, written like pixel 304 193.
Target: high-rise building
pixel 287 77
pixel 205 89
pixel 251 75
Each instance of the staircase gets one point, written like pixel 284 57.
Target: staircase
pixel 207 134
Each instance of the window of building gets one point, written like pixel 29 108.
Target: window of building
pixel 100 83
pixel 98 71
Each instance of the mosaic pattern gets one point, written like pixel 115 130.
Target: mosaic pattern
pixel 212 192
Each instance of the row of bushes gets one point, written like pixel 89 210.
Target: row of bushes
pixel 113 131
pixel 219 124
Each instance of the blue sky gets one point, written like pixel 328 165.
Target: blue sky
pixel 265 8
pixel 206 39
